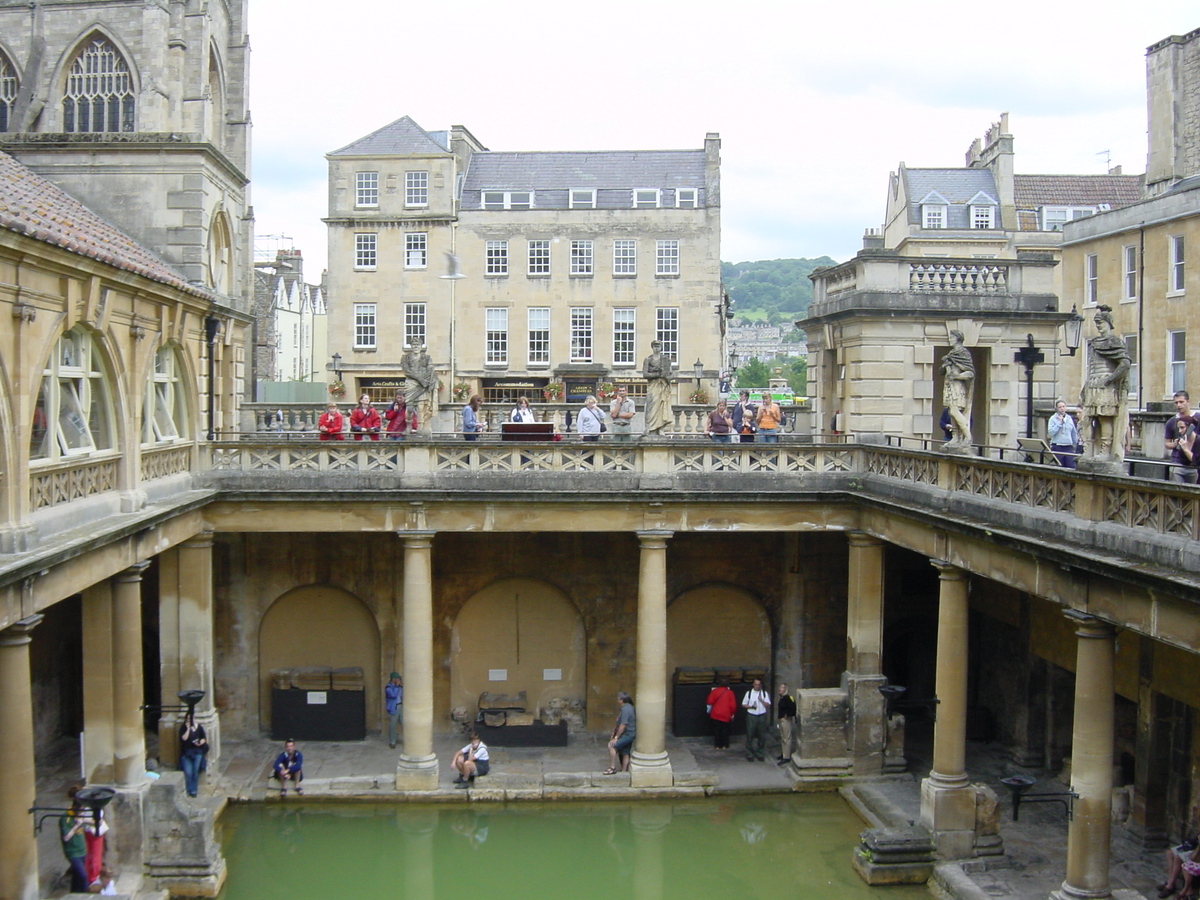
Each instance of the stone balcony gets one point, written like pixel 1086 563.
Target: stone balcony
pixel 882 281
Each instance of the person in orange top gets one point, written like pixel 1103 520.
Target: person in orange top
pixel 331 423
pixel 722 705
pixel 364 420
pixel 769 420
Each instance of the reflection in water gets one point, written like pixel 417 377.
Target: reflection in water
pixel 796 845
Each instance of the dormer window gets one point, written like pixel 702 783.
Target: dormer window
pixel 982 208
pixel 934 211
pixel 645 199
pixel 583 198
pixel 933 215
pixel 1055 217
pixel 508 199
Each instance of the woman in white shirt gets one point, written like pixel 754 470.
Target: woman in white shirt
pixel 521 412
pixel 590 420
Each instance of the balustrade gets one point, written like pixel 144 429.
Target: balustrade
pixel 954 277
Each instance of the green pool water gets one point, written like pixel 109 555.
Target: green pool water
pixel 775 846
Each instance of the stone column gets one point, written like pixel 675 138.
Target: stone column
pixel 649 765
pixel 418 766
pixel 947 798
pixel 98 726
pixel 129 761
pixel 196 635
pixel 18 787
pixel 1089 831
pixel 649 868
pixel 864 654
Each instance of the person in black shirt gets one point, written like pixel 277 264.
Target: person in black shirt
pixel 785 717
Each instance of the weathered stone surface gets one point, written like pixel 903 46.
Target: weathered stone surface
pixel 566 779
pixel 182 853
pixel 696 779
pixel 822 714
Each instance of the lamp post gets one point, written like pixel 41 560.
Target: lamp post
pixel 1029 356
pixel 698 372
pixel 337 366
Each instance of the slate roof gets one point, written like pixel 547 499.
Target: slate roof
pixel 402 137
pixel 957 186
pixel 603 170
pixel 33 206
pixel 1030 191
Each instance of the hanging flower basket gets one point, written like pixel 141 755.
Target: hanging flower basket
pixel 699 396
pixel 461 392
pixel 605 390
pixel 337 388
pixel 553 391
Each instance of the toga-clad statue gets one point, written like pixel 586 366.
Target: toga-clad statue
pixel 657 371
pixel 1104 399
pixel 420 385
pixel 958 390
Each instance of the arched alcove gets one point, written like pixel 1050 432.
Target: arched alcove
pixel 717 625
pixel 318 625
pixel 527 628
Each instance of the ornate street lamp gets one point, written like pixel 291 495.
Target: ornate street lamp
pixel 337 366
pixel 1073 331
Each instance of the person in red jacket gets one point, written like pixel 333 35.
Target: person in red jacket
pixel 399 419
pixel 364 420
pixel 330 424
pixel 722 705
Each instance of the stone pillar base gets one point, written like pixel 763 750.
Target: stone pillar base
pixel 948 811
pixel 128 826
pixel 417 773
pixel 650 770
pixel 867 732
pixel 1066 892
pixel 182 853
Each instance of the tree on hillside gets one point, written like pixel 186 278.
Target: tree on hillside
pixel 775 285
pixel 753 374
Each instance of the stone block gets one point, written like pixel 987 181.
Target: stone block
pixel 823 714
pixel 696 779
pixel 354 783
pixel 182 853
pixel 495 795
pixel 522 794
pixel 566 779
pixel 894 856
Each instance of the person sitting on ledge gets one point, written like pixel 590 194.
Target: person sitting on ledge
pixel 470 761
pixel 289 766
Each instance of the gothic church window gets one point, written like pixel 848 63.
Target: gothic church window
pixel 99 94
pixel 8 91
pixel 74 413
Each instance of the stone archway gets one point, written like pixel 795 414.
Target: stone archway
pixel 526 630
pixel 717 625
pixel 318 625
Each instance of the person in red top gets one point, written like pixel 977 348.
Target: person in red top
pixel 364 420
pixel 330 424
pixel 399 419
pixel 722 705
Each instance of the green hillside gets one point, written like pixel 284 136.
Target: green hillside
pixel 774 290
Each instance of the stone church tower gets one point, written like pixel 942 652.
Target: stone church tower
pixel 138 108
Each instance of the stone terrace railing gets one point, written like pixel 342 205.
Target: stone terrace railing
pixel 1156 523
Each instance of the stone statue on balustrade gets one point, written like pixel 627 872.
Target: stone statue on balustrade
pixel 1104 400
pixel 420 386
pixel 958 392
pixel 657 371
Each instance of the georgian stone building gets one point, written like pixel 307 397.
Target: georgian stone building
pixel 571 262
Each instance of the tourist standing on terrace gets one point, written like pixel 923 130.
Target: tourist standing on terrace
pixel 364 420
pixel 1184 472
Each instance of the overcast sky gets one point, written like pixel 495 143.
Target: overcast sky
pixel 815 103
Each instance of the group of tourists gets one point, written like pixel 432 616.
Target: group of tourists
pixel 82 830
pixel 366 423
pixel 747 422
pixel 722 705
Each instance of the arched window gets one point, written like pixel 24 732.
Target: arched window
pixel 8 91
pixel 74 411
pixel 220 252
pixel 164 416
pixel 99 94
pixel 216 104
